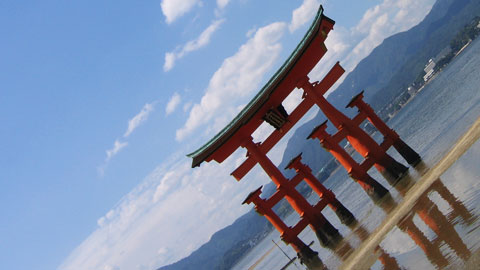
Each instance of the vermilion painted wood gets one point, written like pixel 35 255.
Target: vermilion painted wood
pixel 307 54
pixel 333 75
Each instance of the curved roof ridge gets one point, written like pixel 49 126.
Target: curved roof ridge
pixel 260 98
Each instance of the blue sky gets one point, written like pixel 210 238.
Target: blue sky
pixel 100 101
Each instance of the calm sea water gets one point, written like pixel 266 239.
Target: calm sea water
pixel 431 123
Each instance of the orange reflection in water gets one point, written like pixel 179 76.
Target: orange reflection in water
pixel 442 225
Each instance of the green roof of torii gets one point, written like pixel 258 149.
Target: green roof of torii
pixel 257 102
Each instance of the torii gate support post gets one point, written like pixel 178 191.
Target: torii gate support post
pixel 304 252
pixel 428 211
pixel 325 231
pixel 412 157
pixel 374 189
pixel 432 251
pixel 458 206
pixel 345 216
pixel 358 138
pixel 388 261
pixel 385 259
pixel 434 218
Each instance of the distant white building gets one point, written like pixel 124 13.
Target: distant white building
pixel 429 70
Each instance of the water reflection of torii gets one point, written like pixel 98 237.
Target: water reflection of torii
pixel 440 224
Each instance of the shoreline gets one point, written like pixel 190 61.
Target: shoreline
pixel 360 258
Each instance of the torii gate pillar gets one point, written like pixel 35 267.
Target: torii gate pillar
pixel 358 138
pixel 325 231
pixel 374 189
pixel 345 216
pixel 412 157
pixel 289 236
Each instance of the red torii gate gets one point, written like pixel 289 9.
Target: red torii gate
pixel 267 106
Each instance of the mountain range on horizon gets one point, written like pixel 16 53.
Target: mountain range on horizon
pixel 385 73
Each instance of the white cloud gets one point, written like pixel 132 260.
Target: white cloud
pixel 222 3
pixel 111 267
pixel 102 221
pixel 192 45
pixel 173 9
pixel 303 14
pixel 138 119
pixel 152 225
pixel 350 46
pixel 237 78
pixel 162 250
pixel 292 100
pixel 173 103
pixel 168 181
pixel 388 18
pixel 117 146
pixel 203 39
pixel 262 132
pixel 169 61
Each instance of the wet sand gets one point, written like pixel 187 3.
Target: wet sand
pixel 473 263
pixel 364 256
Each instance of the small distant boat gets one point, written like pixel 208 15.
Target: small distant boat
pixel 288 264
pixel 290 260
